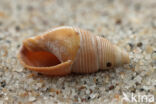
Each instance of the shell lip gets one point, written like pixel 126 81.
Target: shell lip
pixel 40 68
pixel 45 68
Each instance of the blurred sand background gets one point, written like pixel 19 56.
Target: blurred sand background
pixel 131 24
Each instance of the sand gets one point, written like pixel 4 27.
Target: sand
pixel 131 24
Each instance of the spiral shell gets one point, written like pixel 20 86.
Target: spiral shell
pixel 66 49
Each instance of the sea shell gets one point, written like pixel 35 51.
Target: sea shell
pixel 67 49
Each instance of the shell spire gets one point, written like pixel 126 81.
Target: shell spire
pixel 66 49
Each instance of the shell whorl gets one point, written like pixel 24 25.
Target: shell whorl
pixel 86 60
pixel 95 53
pixel 67 49
pixel 106 53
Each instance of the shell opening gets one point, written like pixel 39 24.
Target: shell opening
pixel 38 58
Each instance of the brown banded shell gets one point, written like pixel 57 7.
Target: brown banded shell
pixel 66 49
